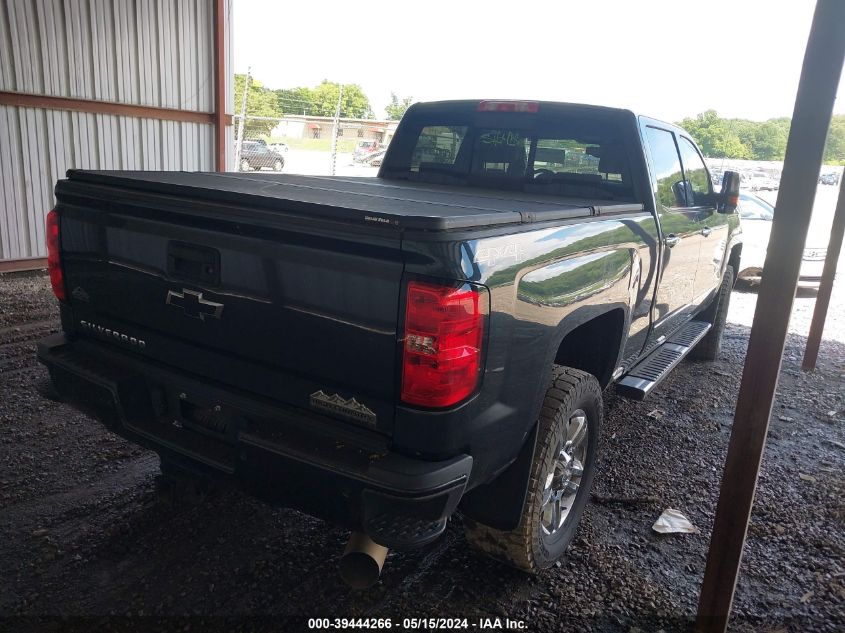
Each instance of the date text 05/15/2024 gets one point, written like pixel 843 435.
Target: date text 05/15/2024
pixel 418 624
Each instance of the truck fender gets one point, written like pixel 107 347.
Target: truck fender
pixel 499 502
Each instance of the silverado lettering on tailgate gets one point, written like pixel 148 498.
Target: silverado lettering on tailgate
pixel 112 335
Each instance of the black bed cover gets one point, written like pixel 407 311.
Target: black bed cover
pixel 396 203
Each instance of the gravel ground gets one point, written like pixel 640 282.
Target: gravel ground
pixel 87 541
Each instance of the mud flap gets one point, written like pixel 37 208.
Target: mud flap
pixel 498 504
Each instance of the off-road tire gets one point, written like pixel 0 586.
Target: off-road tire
pixel 524 546
pixel 717 315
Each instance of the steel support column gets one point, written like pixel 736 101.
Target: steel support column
pixel 220 118
pixel 834 248
pixel 810 121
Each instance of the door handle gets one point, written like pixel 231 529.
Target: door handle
pixel 671 240
pixel 706 231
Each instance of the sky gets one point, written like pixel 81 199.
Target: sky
pixel 665 59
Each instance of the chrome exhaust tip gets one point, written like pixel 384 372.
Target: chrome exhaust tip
pixel 362 560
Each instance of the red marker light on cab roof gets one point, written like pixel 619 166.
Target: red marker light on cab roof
pixel 509 106
pixel 441 351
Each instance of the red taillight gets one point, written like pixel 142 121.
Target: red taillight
pixel 54 260
pixel 509 106
pixel 441 355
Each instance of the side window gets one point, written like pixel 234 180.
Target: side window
pixel 437 145
pixel 695 172
pixel 671 191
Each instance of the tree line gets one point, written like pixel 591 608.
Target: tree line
pixel 319 100
pixel 756 140
pixel 717 137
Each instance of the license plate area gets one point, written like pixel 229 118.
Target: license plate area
pixel 212 420
pixel 201 429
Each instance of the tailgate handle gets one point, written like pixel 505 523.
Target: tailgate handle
pixel 191 262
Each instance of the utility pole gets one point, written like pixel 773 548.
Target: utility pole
pixel 242 121
pixel 335 127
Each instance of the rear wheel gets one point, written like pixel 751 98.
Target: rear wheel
pixel 278 164
pixel 717 315
pixel 561 476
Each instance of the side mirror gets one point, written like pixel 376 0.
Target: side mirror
pixel 729 196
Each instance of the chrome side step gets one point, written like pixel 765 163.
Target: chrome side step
pixel 650 372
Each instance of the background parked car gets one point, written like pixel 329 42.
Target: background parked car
pixel 255 155
pixel 756 217
pixel 374 159
pixel 830 178
pixel 759 181
pixel 281 148
pixel 364 149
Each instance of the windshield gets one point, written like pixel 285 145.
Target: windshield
pixel 753 208
pixel 574 156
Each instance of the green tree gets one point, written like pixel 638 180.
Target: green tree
pixel 354 104
pixel 769 141
pixel 296 100
pixel 834 149
pixel 716 136
pixel 396 108
pixel 260 102
pixel 757 140
pixel 746 131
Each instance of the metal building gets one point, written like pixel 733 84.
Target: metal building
pixel 105 84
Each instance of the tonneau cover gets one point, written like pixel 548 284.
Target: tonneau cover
pixel 393 203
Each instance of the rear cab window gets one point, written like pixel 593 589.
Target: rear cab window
pixel 437 145
pixel 561 151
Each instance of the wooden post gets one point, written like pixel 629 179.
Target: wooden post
pixel 811 352
pixel 220 118
pixel 810 121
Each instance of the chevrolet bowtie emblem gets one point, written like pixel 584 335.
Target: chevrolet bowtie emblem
pixel 194 305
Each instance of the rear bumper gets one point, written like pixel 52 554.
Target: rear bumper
pixel 347 476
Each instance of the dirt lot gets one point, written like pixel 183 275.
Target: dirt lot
pixel 87 542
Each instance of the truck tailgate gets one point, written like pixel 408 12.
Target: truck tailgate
pixel 284 309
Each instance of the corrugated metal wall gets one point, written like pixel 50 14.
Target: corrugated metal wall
pixel 140 52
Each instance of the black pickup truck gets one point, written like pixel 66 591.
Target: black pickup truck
pixel 383 352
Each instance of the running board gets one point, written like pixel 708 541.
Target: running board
pixel 651 371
